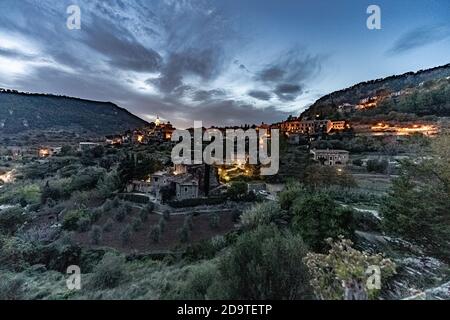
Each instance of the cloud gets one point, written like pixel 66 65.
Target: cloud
pixel 288 92
pixel 206 95
pixel 203 63
pixel 232 112
pixel 289 73
pixel 260 95
pixel 419 37
pixel 292 66
pixel 120 47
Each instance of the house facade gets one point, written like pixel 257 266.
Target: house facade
pixel 331 157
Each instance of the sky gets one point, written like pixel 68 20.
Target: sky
pixel 222 62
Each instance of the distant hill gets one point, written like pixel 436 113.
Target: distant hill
pixel 416 94
pixel 26 111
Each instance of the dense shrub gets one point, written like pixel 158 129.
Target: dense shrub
pixel 96 235
pixel 120 214
pixel 72 219
pixel 84 224
pixel 377 166
pixel 108 226
pixel 125 234
pixel 184 233
pixel 317 217
pixel 109 273
pixel 214 220
pixel 12 287
pixel 162 224
pixel 261 214
pixel 11 219
pixel 188 220
pixel 264 264
pixel 136 224
pixel 155 233
pixel 344 267
pixel 196 202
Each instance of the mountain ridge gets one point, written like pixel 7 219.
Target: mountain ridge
pixel 21 111
pixel 329 104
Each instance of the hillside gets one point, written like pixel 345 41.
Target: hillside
pixel 413 94
pixel 24 111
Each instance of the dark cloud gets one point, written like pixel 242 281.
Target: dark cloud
pixel 288 92
pixel 205 95
pixel 188 44
pixel 291 67
pixel 289 73
pixel 203 63
pixel 260 95
pixel 11 53
pixel 419 37
pixel 231 112
pixel 120 47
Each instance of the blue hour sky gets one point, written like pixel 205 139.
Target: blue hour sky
pixel 222 62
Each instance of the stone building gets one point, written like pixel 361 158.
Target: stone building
pixel 330 157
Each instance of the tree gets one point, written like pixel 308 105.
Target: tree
pixel 125 234
pixel 155 233
pixel 265 264
pixel 108 273
pixel 237 190
pixel 108 184
pixel 317 217
pixel 343 273
pixel 214 220
pixel 261 214
pixel 184 233
pixel 96 235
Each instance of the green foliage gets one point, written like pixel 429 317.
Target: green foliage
pixel 292 191
pixel 418 205
pixel 84 224
pixel 196 286
pixel 196 202
pixel 345 265
pixel 317 217
pixel 162 224
pixel 72 219
pixel 108 184
pixel 377 166
pixel 237 190
pixel 136 224
pixel 96 234
pixel 143 214
pixel 214 220
pixel 87 179
pixel 11 219
pixel 15 253
pixel 155 233
pixel 12 287
pixel 120 213
pixel 264 264
pixel 125 234
pixel 184 233
pixel 27 194
pixel 261 214
pixel 64 112
pixel 189 222
pixel 108 226
pixel 166 215
pixel 109 273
